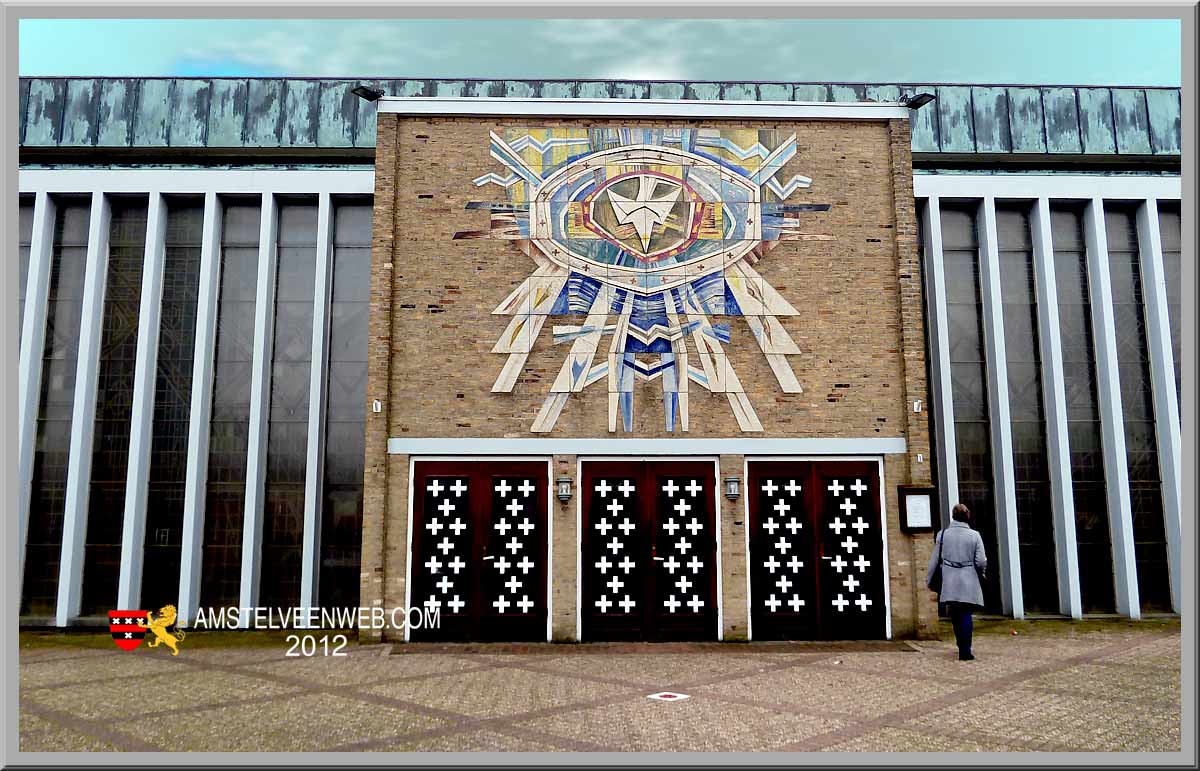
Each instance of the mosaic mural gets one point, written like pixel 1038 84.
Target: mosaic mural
pixel 651 236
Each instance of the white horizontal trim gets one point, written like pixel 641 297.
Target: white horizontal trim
pixel 870 445
pixel 1067 186
pixel 639 108
pixel 198 181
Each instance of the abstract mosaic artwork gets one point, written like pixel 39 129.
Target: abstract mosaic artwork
pixel 649 235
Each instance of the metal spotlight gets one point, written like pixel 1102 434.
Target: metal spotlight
pixel 917 101
pixel 368 93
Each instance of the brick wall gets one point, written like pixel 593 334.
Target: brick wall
pixel 861 335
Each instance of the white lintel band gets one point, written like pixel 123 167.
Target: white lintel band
pixel 675 109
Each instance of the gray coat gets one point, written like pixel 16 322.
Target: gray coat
pixel 963 547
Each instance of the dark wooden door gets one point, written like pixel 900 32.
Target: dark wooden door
pixel 479 549
pixel 649 551
pixel 816 550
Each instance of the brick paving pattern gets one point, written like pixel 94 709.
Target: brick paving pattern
pixel 1113 688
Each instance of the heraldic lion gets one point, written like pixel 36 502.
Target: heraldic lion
pixel 166 617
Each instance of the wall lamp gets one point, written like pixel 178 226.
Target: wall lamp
pixel 562 486
pixel 368 93
pixel 917 101
pixel 733 488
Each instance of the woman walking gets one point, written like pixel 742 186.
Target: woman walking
pixel 956 570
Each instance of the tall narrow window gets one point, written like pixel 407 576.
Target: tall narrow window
pixel 1137 403
pixel 53 442
pixel 960 257
pixel 1035 517
pixel 345 422
pixel 172 402
pixel 24 239
pixel 1092 538
pixel 287 438
pixel 1169 232
pixel 230 421
pixel 114 405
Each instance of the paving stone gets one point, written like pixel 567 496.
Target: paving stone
pixel 118 699
pixel 38 735
pixel 903 740
pixel 362 669
pixel 303 723
pixel 695 725
pixel 469 741
pixel 498 692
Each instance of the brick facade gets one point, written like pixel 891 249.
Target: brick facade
pixel 857 284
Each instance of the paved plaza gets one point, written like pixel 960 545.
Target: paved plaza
pixel 1053 686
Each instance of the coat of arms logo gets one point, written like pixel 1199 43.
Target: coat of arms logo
pixel 651 236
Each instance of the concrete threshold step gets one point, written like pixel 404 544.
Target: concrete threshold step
pixel 814 646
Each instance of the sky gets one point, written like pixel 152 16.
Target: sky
pixel 1142 52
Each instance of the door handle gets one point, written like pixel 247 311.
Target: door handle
pixel 660 559
pixel 485 559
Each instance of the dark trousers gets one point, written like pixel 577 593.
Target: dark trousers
pixel 960 618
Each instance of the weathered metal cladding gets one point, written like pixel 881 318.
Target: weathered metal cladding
pixel 323 113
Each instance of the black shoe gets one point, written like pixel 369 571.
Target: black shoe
pixel 966 657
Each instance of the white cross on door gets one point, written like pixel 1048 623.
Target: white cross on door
pixel 458 526
pixel 614 584
pixel 626 488
pixel 793 488
pixel 695 526
pixel 435 487
pixel 770 487
pixel 858 487
pixel 670 488
pixel 603 604
pixel 502 564
pixel 525 604
pixel 670 526
pixel 513 584
pixel 445 584
pixel 695 603
pixel 527 488
pixel 672 604
pixel 860 525
pixel 627 604
pixel 604 488
pixel 695 564
pixel 862 602
pixel 501 604
pixel 604 565
pixel 626 564
pixel 835 488
pixel 840 603
pixel 772 563
pixel 862 563
pixel 504 488
pixel 671 564
pixel 773 604
pixel 458 488
pixel 795 602
pixel 434 526
pixel 456 604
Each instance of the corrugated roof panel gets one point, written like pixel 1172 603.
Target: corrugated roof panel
pixel 666 90
pixel 1096 121
pixel 117 110
pixel 883 93
pixel 1026 121
pixel 630 90
pixel 364 121
pixel 337 106
pixel 227 113
pixel 955 119
pixel 82 114
pixel 1132 121
pixel 925 128
pixel 990 114
pixel 1165 129
pixel 263 110
pixel 411 88
pixel 558 90
pixel 449 87
pixel 44 115
pixel 23 90
pixel 300 113
pixel 189 112
pixel 520 88
pixel 848 93
pixel 1062 120
pixel 274 112
pixel 703 91
pixel 739 92
pixel 153 120
pixel 811 92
